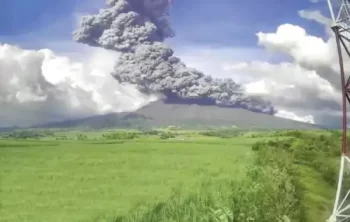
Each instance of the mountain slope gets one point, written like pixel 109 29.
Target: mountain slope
pixel 173 114
pixel 160 114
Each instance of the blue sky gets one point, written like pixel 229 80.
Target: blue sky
pixel 223 23
pixel 235 22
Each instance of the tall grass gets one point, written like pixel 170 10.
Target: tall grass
pixel 78 181
pixel 287 183
pixel 267 195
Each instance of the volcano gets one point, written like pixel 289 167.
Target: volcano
pixel 188 116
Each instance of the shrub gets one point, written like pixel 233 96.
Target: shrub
pixel 311 150
pixel 81 137
pixel 151 133
pixel 121 136
pixel 167 135
pixel 221 133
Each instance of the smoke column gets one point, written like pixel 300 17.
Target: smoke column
pixel 137 30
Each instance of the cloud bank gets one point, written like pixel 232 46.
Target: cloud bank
pixel 39 86
pixel 307 86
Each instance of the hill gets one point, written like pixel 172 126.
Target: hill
pixel 161 114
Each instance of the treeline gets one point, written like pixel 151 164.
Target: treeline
pixel 297 133
pixel 26 134
pixel 119 135
pixel 225 133
pixel 132 135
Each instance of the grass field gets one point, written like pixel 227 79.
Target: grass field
pixel 52 180
pixel 167 175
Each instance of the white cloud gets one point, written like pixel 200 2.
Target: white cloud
pixel 39 86
pixel 305 89
pixel 309 85
pixel 295 42
pixel 290 115
pixel 290 87
pixel 315 15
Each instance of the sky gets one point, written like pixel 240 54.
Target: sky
pixel 196 22
pixel 257 43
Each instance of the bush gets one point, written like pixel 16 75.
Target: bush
pixel 221 133
pixel 121 136
pixel 151 133
pixel 167 135
pixel 23 134
pixel 257 146
pixel 319 152
pixel 81 137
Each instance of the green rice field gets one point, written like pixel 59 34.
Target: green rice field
pixel 131 176
pixel 51 180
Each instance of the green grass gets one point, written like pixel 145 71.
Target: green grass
pixel 318 195
pixel 148 178
pixel 78 181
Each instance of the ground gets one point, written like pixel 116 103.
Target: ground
pixel 82 179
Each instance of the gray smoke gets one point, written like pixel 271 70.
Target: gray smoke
pixel 137 29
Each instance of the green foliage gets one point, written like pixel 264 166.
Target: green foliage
pixel 81 137
pixel 151 133
pixel 307 149
pixel 83 180
pixel 26 134
pixel 203 205
pixel 317 153
pixel 221 133
pixel 121 136
pixel 266 195
pixel 62 138
pixel 288 179
pixel 167 135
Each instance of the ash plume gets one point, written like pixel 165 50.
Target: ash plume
pixel 137 29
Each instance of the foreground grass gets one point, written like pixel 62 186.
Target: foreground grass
pixel 189 176
pixel 81 180
pixel 317 195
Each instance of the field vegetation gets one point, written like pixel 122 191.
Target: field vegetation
pixel 168 175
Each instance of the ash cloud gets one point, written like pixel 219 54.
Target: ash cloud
pixel 137 29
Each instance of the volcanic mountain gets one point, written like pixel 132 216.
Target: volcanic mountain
pixel 163 114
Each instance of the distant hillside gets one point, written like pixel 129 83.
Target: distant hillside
pixel 160 114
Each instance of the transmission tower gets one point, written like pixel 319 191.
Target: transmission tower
pixel 340 14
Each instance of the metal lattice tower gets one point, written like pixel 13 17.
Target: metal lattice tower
pixel 340 14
